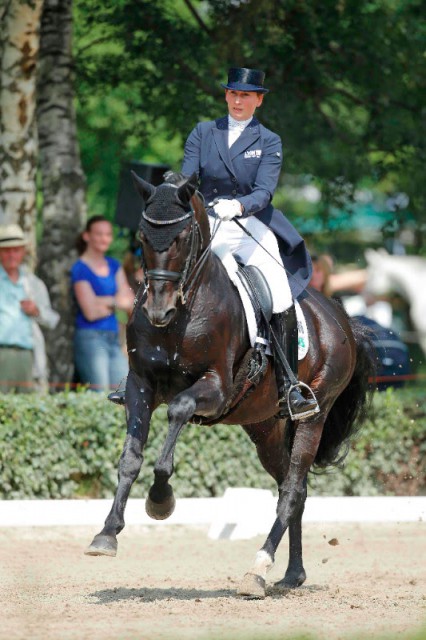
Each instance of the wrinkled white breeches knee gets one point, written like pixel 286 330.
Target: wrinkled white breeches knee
pixel 230 235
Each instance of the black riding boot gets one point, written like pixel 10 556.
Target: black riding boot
pixel 284 326
pixel 119 395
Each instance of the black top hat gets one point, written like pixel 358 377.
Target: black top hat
pixel 241 79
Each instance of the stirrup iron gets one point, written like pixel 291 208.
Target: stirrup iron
pixel 309 412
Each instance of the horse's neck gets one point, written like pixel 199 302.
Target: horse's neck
pixel 408 275
pixel 221 289
pixel 217 275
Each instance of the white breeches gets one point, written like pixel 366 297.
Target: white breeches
pixel 229 235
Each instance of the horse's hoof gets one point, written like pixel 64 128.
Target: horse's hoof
pixel 160 510
pixel 102 545
pixel 252 586
pixel 291 581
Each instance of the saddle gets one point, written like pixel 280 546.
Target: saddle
pixel 255 363
pixel 260 296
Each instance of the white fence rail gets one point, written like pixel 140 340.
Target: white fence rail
pixel 240 513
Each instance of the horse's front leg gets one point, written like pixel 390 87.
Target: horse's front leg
pixel 205 398
pixel 291 502
pixel 139 406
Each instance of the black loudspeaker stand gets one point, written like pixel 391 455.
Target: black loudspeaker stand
pixel 129 203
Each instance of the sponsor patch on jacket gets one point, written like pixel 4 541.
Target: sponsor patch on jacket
pixel 253 153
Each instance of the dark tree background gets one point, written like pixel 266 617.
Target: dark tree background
pixel 346 79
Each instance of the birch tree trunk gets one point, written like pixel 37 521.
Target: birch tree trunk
pixel 19 43
pixel 63 181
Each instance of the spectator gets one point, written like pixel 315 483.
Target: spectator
pixel 321 270
pixel 100 287
pixel 24 307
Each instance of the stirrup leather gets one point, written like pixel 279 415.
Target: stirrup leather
pixel 309 412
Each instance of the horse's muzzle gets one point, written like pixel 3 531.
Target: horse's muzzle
pixel 160 304
pixel 159 317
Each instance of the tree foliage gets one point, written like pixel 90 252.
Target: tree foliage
pixel 346 80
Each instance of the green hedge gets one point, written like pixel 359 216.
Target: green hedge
pixel 68 445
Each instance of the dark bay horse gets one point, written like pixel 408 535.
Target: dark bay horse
pixel 188 342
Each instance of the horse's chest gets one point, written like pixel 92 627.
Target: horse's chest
pixel 156 359
pixel 164 363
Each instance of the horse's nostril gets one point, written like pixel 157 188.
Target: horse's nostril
pixel 170 313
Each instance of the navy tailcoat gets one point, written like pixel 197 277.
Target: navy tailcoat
pixel 249 172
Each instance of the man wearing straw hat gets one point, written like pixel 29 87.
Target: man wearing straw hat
pixel 24 305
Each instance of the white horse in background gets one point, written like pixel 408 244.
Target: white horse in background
pixel 402 274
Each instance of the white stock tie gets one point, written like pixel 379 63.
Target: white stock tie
pixel 235 129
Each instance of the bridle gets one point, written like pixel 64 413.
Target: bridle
pixel 181 277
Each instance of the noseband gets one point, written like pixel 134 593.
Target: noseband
pixel 177 276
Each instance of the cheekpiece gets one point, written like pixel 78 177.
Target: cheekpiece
pixel 242 79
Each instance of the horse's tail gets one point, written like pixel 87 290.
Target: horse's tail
pixel 351 407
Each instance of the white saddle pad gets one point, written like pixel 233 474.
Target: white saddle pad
pixel 231 267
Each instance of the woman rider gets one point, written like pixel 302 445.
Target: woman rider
pixel 238 162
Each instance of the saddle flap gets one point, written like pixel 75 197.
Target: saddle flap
pixel 257 288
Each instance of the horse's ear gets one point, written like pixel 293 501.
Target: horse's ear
pixel 145 189
pixel 372 256
pixel 187 190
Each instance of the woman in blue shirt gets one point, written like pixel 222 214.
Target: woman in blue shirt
pixel 100 287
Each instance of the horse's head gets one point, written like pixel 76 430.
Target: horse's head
pixel 380 272
pixel 173 232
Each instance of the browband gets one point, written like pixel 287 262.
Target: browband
pixel 153 221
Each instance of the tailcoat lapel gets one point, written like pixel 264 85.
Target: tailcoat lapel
pixel 220 134
pixel 246 139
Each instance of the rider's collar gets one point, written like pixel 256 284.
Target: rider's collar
pixel 238 124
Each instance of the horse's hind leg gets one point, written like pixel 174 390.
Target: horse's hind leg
pixel 290 507
pixel 139 409
pixel 295 574
pixel 273 441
